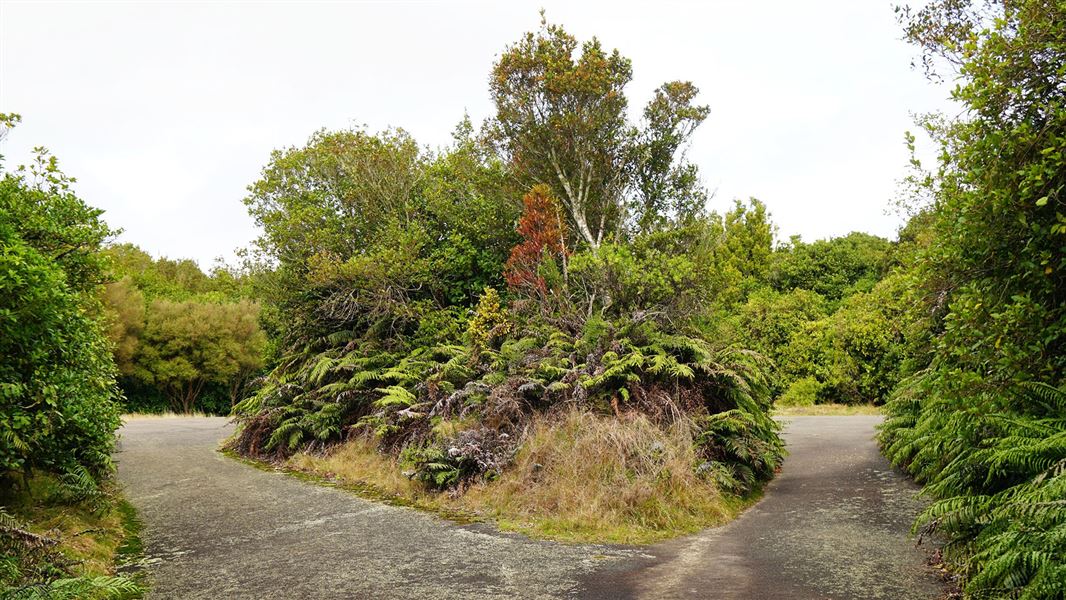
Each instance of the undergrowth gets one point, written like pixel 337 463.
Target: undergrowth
pixel 61 537
pixel 577 477
pixel 456 417
pixel 995 462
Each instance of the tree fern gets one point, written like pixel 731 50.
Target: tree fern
pixel 995 460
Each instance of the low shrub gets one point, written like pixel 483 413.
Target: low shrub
pixel 802 392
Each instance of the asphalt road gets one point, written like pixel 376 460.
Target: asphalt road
pixel 832 525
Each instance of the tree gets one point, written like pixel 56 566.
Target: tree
pixel 668 188
pixel 998 263
pixel 336 194
pixel 561 121
pixel 471 203
pixel 744 248
pixel 125 306
pixel 187 345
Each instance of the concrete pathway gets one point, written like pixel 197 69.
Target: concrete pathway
pixel 832 525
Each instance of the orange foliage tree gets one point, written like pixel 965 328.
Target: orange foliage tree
pixel 541 228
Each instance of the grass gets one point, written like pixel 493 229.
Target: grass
pixel 578 477
pixel 824 410
pixel 95 538
pixel 163 415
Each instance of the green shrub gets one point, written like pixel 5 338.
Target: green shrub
pixel 802 392
pixel 58 397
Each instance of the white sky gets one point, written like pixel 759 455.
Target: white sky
pixel 165 112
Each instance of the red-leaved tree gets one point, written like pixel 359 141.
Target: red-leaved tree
pixel 541 228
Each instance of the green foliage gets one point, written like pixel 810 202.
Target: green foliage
pixel 748 237
pixel 187 345
pixel 971 424
pixel 620 279
pixel 669 191
pixel 742 449
pixel 58 397
pixel 351 184
pixel 100 587
pixel 801 392
pixel 162 278
pixel 58 407
pixel 125 315
pixel 998 471
pixel 997 264
pixel 834 268
pixel 855 353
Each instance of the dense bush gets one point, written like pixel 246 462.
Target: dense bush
pixel 58 399
pixel 834 268
pixel 430 305
pixel 974 423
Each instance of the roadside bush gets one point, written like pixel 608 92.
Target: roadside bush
pixel 972 422
pixel 58 398
pixel 802 392
pixel 997 471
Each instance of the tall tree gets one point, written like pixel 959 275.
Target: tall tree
pixel 667 186
pixel 561 120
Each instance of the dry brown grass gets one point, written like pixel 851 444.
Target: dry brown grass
pixel 577 477
pixel 163 415
pixel 825 410
pixel 359 462
pixel 584 477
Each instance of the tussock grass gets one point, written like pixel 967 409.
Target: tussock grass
pixel 586 477
pixel 825 410
pixel 359 463
pixel 577 477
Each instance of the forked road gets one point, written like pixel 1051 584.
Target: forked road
pixel 832 525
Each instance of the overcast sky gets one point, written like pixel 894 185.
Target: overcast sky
pixel 165 112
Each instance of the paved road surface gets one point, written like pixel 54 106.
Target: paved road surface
pixel 832 525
